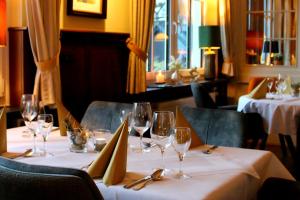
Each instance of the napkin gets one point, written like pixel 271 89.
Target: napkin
pixel 3 140
pixel 288 84
pixel 182 122
pixel 63 113
pixel 110 164
pixel 260 91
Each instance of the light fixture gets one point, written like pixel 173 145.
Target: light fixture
pixel 209 40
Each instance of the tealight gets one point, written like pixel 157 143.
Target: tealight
pixel 99 144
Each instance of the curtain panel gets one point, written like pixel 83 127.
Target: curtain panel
pixel 226 32
pixel 43 27
pixel 141 24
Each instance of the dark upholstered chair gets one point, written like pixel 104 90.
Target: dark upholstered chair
pixel 104 115
pixel 224 127
pixel 279 189
pixel 204 100
pixel 22 181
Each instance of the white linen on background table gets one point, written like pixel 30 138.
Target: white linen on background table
pixel 278 114
pixel 227 173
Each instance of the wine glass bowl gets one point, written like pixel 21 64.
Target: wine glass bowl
pixel 181 143
pixel 141 119
pixel 162 130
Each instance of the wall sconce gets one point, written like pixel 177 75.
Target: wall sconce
pixel 2 23
pixel 209 40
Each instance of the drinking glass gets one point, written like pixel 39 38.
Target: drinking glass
pixel 44 127
pixel 141 119
pixel 181 142
pixel 161 131
pixel 270 84
pixel 29 111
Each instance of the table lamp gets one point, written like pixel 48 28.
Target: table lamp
pixel 209 40
pixel 271 47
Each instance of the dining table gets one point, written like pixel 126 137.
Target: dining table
pixel 226 173
pixel 279 113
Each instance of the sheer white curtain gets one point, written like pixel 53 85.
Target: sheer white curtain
pixel 43 27
pixel 226 37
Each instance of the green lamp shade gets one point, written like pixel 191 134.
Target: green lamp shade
pixel 209 36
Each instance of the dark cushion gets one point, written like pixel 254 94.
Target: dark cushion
pixel 278 188
pixel 201 96
pixel 104 115
pixel 223 127
pixel 24 181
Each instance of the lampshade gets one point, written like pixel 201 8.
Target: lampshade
pixel 2 23
pixel 209 36
pixel 274 47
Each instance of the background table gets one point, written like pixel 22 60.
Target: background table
pixel 228 173
pixel 279 116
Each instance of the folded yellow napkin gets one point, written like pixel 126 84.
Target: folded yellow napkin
pixel 110 165
pixel 260 91
pixel 182 122
pixel 3 140
pixel 288 84
pixel 63 114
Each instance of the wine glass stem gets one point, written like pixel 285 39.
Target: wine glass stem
pixel 162 158
pixel 34 142
pixel 141 142
pixel 180 162
pixel 45 145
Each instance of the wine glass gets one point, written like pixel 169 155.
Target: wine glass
pixel 161 131
pixel 270 84
pixel 141 119
pixel 181 142
pixel 44 127
pixel 29 110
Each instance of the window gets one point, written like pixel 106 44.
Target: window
pixel 271 32
pixel 175 34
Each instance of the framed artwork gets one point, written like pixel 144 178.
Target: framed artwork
pixel 87 8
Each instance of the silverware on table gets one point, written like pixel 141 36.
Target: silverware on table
pixel 210 149
pixel 154 176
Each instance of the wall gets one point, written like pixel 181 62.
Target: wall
pixel 117 18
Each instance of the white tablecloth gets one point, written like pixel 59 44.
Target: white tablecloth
pixel 278 114
pixel 227 173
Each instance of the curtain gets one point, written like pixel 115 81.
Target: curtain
pixel 43 27
pixel 226 32
pixel 141 24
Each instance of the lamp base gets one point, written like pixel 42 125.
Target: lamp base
pixel 209 66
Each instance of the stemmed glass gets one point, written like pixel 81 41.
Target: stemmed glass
pixel 141 119
pixel 270 84
pixel 181 143
pixel 29 111
pixel 44 127
pixel 161 131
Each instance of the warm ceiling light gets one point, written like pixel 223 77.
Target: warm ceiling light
pixel 2 23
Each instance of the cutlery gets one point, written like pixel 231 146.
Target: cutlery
pixel 157 177
pixel 154 176
pixel 87 166
pixel 210 149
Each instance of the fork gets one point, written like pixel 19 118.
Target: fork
pixel 210 149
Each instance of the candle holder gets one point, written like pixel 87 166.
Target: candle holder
pixel 160 77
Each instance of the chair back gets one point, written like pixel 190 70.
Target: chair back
pixel 224 127
pixel 202 97
pixel 104 115
pixel 23 181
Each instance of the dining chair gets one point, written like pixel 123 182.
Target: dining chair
pixel 225 127
pixel 23 181
pixel 203 99
pixel 279 188
pixel 104 115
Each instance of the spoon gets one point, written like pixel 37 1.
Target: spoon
pixel 210 149
pixel 154 176
pixel 157 177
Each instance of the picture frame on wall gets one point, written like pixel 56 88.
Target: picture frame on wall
pixel 87 8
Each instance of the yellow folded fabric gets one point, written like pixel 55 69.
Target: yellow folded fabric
pixel 3 139
pixel 110 165
pixel 63 114
pixel 260 91
pixel 288 84
pixel 182 122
